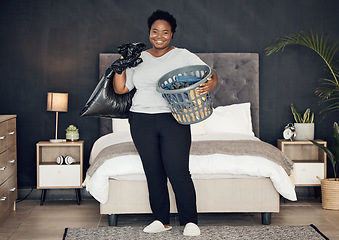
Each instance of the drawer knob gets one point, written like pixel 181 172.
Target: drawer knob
pixel 2 137
pixel 3 199
pixel 12 161
pixel 2 168
pixel 11 133
pixel 12 189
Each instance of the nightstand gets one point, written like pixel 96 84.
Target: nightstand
pixel 51 175
pixel 309 160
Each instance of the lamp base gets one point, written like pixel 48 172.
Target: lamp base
pixel 57 140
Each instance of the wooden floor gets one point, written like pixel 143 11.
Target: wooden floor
pixel 32 221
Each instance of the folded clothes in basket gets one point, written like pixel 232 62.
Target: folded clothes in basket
pixel 181 82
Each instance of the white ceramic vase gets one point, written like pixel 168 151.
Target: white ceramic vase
pixel 304 131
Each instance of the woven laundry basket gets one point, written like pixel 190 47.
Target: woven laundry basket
pixel 330 193
pixel 186 104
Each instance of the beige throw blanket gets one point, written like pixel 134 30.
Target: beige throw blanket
pixel 228 147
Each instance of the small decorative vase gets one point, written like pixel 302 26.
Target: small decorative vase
pixel 304 131
pixel 72 136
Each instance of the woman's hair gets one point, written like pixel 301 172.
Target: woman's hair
pixel 162 15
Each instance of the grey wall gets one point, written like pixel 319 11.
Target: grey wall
pixel 53 45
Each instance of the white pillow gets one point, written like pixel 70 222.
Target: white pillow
pixel 235 118
pixel 120 125
pixel 198 128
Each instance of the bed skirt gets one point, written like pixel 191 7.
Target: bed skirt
pixel 213 195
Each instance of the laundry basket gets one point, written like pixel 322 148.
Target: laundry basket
pixel 186 104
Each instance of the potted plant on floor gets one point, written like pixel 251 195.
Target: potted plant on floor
pixel 330 186
pixel 304 125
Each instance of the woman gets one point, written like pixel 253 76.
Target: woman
pixel 162 143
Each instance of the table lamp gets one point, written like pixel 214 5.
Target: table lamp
pixel 57 102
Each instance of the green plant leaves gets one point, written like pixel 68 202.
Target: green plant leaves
pixel 306 118
pixel 334 155
pixel 328 91
pixel 330 155
pixel 295 113
pixel 335 145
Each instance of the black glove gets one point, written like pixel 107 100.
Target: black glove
pixel 121 64
pixel 130 50
pixel 131 57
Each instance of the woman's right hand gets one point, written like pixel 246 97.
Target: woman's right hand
pixel 121 64
pixel 119 83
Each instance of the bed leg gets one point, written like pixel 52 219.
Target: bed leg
pixel 112 219
pixel 266 218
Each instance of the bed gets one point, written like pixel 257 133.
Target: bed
pixel 248 175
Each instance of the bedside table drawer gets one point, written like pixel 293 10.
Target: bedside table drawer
pixel 306 173
pixel 59 176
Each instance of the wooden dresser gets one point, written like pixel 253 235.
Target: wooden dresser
pixel 8 165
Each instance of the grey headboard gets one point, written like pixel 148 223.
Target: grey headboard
pixel 238 81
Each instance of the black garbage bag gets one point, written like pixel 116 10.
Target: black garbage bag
pixel 104 102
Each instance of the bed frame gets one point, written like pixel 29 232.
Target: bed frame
pixel 238 82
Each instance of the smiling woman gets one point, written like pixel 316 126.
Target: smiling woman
pixel 153 128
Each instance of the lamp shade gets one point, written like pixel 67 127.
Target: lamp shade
pixel 57 102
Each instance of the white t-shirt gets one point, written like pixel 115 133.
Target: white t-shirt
pixel 146 75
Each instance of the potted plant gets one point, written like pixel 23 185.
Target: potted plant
pixel 328 91
pixel 304 126
pixel 330 186
pixel 72 133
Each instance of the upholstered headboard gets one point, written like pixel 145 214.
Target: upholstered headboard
pixel 238 81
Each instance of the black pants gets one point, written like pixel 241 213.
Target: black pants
pixel 164 145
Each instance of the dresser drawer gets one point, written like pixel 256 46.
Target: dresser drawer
pixel 3 166
pixel 12 191
pixel 8 164
pixel 11 133
pixel 4 200
pixel 12 160
pixel 3 136
pixel 8 195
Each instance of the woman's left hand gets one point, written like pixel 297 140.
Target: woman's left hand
pixel 209 84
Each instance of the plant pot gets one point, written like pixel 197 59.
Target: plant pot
pixel 72 136
pixel 330 193
pixel 304 131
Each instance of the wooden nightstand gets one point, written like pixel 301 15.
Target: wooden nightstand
pixel 51 175
pixel 309 160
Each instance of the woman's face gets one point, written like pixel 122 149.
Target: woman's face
pixel 160 34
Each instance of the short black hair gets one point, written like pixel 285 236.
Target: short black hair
pixel 162 15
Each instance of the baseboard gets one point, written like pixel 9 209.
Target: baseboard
pixel 308 191
pixel 51 194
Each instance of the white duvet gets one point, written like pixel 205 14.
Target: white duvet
pixel 201 167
